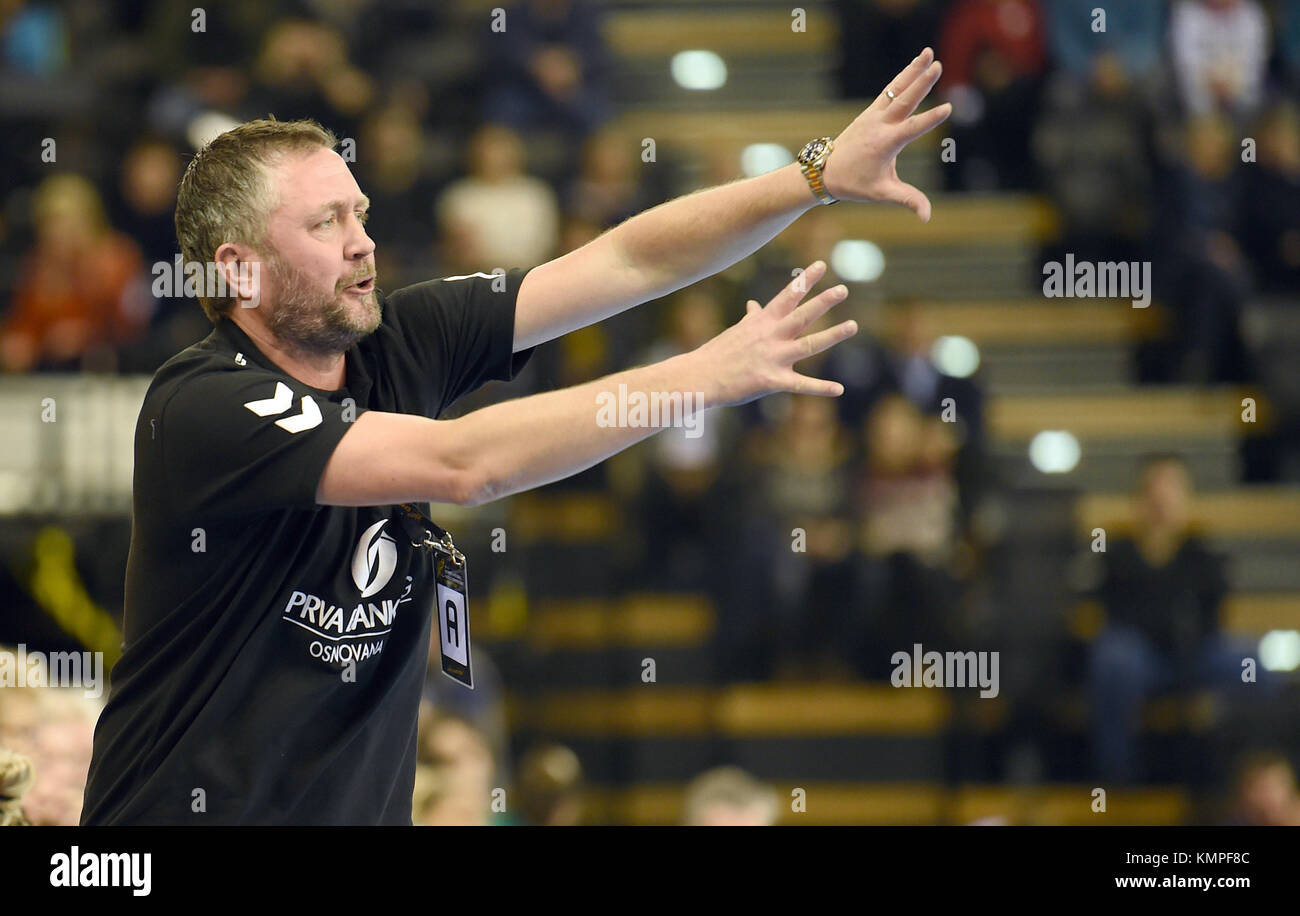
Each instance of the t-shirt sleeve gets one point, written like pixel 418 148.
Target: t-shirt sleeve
pixel 460 330
pixel 246 441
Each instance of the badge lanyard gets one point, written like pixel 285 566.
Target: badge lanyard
pixel 451 586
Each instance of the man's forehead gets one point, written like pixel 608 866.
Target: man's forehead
pixel 309 182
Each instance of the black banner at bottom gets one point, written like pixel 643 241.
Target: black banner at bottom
pixel 207 865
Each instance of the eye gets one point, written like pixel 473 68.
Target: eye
pixel 363 216
pixel 325 222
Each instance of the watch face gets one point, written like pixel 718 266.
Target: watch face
pixel 810 152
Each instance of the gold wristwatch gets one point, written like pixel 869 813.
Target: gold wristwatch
pixel 812 160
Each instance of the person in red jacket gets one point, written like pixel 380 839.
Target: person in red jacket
pixel 77 291
pixel 994 54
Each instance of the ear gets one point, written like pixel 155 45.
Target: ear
pixel 240 270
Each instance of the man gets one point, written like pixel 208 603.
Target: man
pixel 1162 589
pixel 278 590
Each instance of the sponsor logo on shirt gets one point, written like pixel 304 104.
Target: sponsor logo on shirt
pixel 374 560
pixel 350 632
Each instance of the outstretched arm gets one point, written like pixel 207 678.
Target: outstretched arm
pixel 517 445
pixel 695 236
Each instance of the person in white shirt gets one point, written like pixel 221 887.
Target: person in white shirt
pixel 1220 53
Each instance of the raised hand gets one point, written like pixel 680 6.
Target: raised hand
pixel 756 356
pixel 863 165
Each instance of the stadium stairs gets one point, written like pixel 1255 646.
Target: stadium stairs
pixel 869 753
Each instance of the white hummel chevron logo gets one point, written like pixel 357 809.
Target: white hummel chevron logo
pixel 309 417
pixel 279 404
pixel 282 401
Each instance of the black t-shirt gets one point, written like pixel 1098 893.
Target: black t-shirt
pixel 275 649
pixel 1175 605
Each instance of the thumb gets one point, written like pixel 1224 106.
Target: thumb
pixel 910 196
pixel 752 307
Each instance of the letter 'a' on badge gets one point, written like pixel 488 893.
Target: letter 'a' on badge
pixel 453 619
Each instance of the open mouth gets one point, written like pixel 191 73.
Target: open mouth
pixel 365 286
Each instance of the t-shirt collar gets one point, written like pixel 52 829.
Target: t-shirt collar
pixel 356 380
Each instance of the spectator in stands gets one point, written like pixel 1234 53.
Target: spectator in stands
pixel 549 67
pixel 33 40
pixel 801 478
pixel 61 753
pixel 680 500
pixel 52 728
pixel 19 720
pixel 179 55
pixel 1269 225
pixel 458 785
pixel 1161 589
pixel 391 171
pixel 303 71
pixel 994 55
pixel 1265 791
pixel 611 184
pixel 747 646
pixel 1123 56
pixel 548 789
pixel 1269 230
pixel 1092 140
pixel 144 209
pixel 904 592
pixel 1200 270
pixel 1220 52
pixel 16 778
pixel 483 707
pixel 905 364
pixel 931 386
pixel 194 74
pixel 498 216
pixel 80 292
pixel 729 797
pixel 146 197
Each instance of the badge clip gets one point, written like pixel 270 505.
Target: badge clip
pixel 446 545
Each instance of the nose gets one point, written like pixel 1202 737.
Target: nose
pixel 360 245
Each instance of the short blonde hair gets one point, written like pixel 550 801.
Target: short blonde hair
pixel 16 778
pixel 732 787
pixel 226 193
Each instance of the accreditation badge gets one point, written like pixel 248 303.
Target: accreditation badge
pixel 453 615
pixel 451 592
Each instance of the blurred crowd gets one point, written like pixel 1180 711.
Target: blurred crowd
pixel 465 777
pixel 1165 132
pixel 483 149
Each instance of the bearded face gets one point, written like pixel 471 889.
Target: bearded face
pixel 319 321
